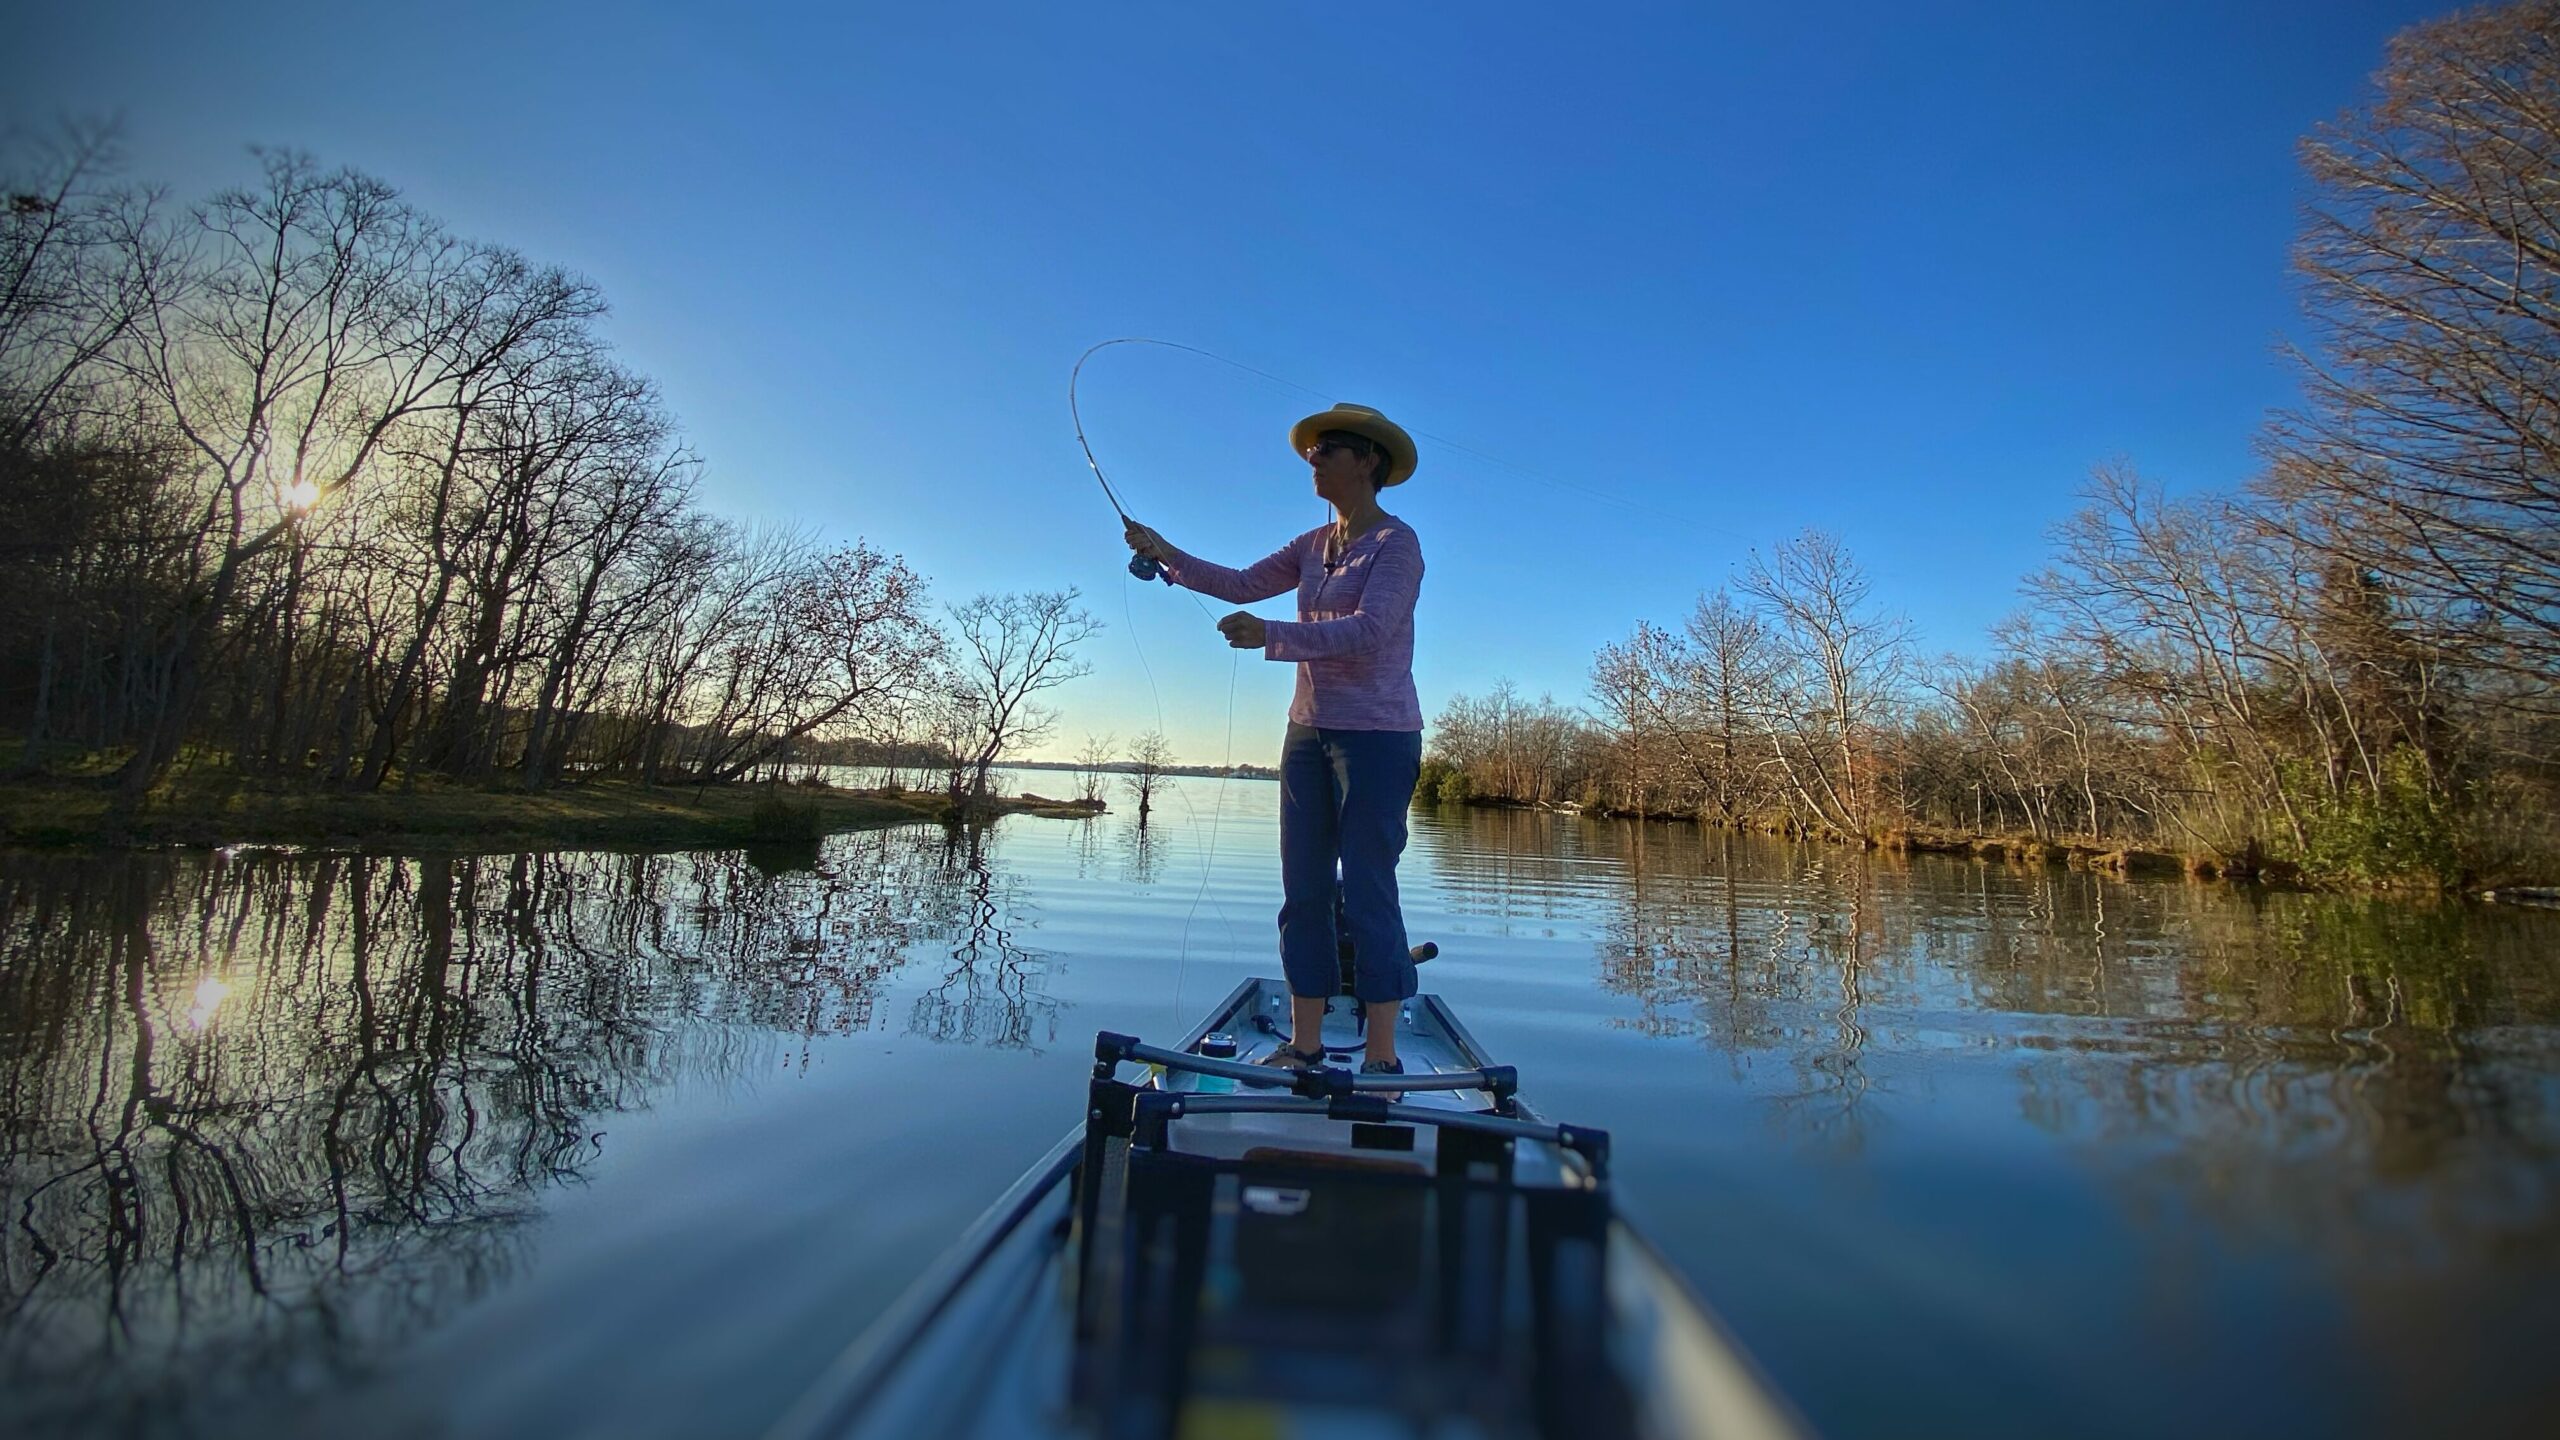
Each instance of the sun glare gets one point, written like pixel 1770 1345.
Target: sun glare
pixel 302 494
pixel 211 991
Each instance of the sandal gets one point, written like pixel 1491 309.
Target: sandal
pixel 1382 1067
pixel 1289 1057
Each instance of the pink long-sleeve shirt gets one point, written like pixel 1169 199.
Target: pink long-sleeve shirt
pixel 1353 638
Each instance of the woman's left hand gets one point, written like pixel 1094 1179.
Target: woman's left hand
pixel 1243 631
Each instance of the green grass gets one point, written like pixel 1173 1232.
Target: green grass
pixel 618 815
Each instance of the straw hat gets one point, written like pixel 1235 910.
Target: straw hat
pixel 1363 421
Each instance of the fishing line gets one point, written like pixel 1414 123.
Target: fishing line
pixel 1217 812
pixel 1144 568
pixel 1217 817
pixel 1525 472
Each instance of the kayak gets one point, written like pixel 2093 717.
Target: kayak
pixel 1224 1248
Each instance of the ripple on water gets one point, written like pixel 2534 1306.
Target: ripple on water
pixel 1955 1147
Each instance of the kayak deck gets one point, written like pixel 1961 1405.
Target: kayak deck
pixel 1212 1255
pixel 1429 1041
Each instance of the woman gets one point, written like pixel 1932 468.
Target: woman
pixel 1354 747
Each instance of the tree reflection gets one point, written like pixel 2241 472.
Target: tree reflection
pixel 1141 854
pixel 2302 1068
pixel 990 994
pixel 1754 948
pixel 264 1114
pixel 1088 847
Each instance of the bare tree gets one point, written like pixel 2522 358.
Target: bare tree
pixel 300 483
pixel 2034 747
pixel 69 291
pixel 1527 752
pixel 950 719
pixel 2071 709
pixel 1690 706
pixel 552 457
pixel 2429 452
pixel 725 576
pixel 1149 757
pixel 831 642
pixel 84 539
pixel 609 593
pixel 1842 665
pixel 2177 603
pixel 307 319
pixel 1093 762
pixel 1006 650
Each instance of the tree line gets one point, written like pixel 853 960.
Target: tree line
pixel 296 482
pixel 2350 666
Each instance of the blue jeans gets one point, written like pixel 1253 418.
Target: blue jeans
pixel 1343 797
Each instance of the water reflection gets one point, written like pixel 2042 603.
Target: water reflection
pixel 2161 1157
pixel 1142 850
pixel 990 992
pixel 2366 1082
pixel 264 1116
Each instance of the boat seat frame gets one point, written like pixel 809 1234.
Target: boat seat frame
pixel 1146 1212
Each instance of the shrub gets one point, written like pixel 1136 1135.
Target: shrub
pixel 1454 789
pixel 774 819
pixel 2404 833
pixel 2512 835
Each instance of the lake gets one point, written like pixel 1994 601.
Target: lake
pixel 590 1143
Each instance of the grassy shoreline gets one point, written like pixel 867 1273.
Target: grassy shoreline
pixel 2520 886
pixel 601 815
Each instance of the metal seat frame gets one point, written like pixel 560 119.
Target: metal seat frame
pixel 1147 1212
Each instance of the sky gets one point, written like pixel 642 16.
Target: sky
pixel 1655 285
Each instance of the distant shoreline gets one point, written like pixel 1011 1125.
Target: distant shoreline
pixel 1122 767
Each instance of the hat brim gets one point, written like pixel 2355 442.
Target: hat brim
pixel 1402 458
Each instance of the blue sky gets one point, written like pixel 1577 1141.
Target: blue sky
pixel 1694 277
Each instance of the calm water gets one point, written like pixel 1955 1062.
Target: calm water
pixel 633 1145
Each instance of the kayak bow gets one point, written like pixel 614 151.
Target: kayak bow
pixel 1224 1247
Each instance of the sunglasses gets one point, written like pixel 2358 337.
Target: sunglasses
pixel 1330 444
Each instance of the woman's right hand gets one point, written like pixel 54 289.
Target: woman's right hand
pixel 1146 542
